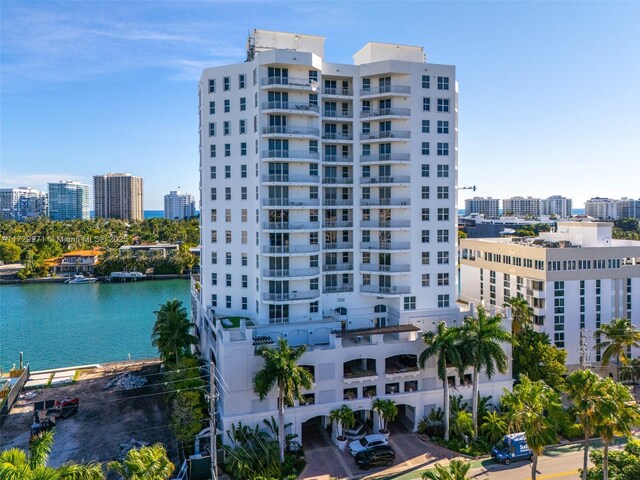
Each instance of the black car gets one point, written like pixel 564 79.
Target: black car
pixel 379 455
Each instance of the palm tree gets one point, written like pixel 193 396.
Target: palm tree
pixel 620 334
pixel 15 464
pixel 344 418
pixel 480 342
pixel 618 415
pixel 585 390
pixel 521 314
pixel 494 427
pixel 171 333
pixel 144 463
pixel 443 344
pixel 632 371
pixel 282 370
pixel 388 411
pixel 536 409
pixel 456 470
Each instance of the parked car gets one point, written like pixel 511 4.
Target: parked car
pixel 367 442
pixel 512 447
pixel 374 456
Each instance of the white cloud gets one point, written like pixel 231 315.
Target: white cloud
pixel 39 181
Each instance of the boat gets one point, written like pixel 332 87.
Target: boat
pixel 125 276
pixel 81 279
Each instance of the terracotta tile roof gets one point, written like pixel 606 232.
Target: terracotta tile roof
pixel 83 253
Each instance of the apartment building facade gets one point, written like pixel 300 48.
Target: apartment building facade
pixel 556 205
pixel 328 218
pixel 179 205
pixel 489 207
pixel 22 203
pixel 118 195
pixel 68 201
pixel 601 208
pixel 575 279
pixel 521 207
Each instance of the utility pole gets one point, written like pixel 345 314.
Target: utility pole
pixel 212 421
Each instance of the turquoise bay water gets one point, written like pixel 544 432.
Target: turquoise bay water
pixel 59 325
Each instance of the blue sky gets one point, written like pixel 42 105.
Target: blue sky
pixel 549 92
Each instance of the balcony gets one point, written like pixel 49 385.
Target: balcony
pixel 293 107
pixel 292 131
pixel 385 157
pixel 338 289
pixel 386 112
pixel 337 267
pixel 337 136
pixel 338 246
pixel 290 249
pixel 385 246
pixel 382 291
pixel 385 202
pixel 290 296
pixel 337 92
pixel 290 272
pixel 338 180
pixel 386 90
pixel 338 159
pixel 291 225
pixel 290 178
pixel 333 202
pixel 370 267
pixel 290 83
pixel 296 155
pixel 386 135
pixel 337 224
pixel 395 179
pixel 386 224
pixel 290 202
pixel 338 114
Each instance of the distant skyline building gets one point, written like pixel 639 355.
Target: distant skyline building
pixel 118 195
pixel 556 205
pixel 628 208
pixel 521 206
pixel 489 207
pixel 601 208
pixel 22 203
pixel 68 201
pixel 179 205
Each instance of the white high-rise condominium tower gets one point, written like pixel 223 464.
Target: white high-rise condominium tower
pixel 68 201
pixel 601 208
pixel 328 219
pixel 521 207
pixel 489 207
pixel 179 205
pixel 22 203
pixel 556 205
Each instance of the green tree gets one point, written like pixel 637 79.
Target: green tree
pixel 619 335
pixel 585 390
pixel 456 470
pixel 631 371
pixel 10 252
pixel 146 463
pixel 187 416
pixel 628 224
pixel 461 423
pixel 481 340
pixel 171 333
pixel 521 314
pixel 388 411
pixel 444 346
pixel 344 418
pixel 281 370
pixel 15 464
pixel 622 464
pixel 536 357
pixel 536 409
pixel 494 427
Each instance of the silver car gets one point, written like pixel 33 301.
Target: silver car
pixel 367 442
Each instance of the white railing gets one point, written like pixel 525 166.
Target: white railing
pixel 395 290
pixel 385 246
pixel 291 225
pixel 291 248
pixel 365 202
pixel 289 178
pixel 337 158
pixel 291 272
pixel 385 223
pixel 290 82
pixel 385 134
pixel 290 106
pixel 386 157
pixel 290 130
pixel 290 154
pixel 290 202
pixel 284 296
pixel 385 179
pixel 369 267
pixel 386 111
pixel 386 89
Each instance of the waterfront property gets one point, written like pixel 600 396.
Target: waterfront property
pixel 162 249
pixel 576 279
pixel 77 262
pixel 328 219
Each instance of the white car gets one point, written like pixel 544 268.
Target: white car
pixel 367 442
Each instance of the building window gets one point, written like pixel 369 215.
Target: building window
pixel 241 80
pixel 425 148
pixel 425 192
pixel 425 236
pixel 212 85
pixel 244 236
pixel 425 280
pixel 243 128
pixel 212 108
pixel 228 279
pixel 214 258
pixel 443 301
pixel 443 258
pixel 443 279
pixel 443 236
pixel 227 193
pixel 426 104
pixel 425 214
pixel 214 196
pixel 243 104
pixel 245 303
pixel 226 83
pixel 228 301
pixel 425 126
pixel 443 214
pixel 227 171
pixel 425 170
pixel 214 215
pixel 227 149
pixel 227 236
pixel 212 129
pixel 243 193
pixel 443 104
pixel 443 148
pixel 212 170
pixel 227 106
pixel 243 216
pixel 426 81
pixel 313 307
pixel 443 126
pixel 425 258
pixel 214 300
pixel 245 260
pixel 227 215
pixel 243 150
pixel 214 278
pixel 443 192
pixel 443 171
pixel 243 170
pixel 443 83
pixel 409 303
pixel 226 128
pixel 212 151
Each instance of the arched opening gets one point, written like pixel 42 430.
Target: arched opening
pixel 380 316
pixel 359 367
pixel 340 311
pixel 316 433
pixel 401 363
pixel 405 421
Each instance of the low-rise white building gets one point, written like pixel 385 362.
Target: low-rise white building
pixel 576 279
